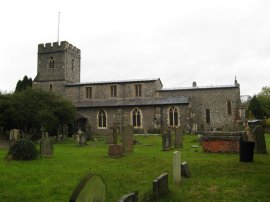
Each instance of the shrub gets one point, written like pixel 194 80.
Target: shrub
pixel 23 150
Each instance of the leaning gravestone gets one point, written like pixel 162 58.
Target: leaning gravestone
pixel 258 135
pixel 127 139
pixel 185 171
pixel 160 186
pixel 91 188
pixel 46 146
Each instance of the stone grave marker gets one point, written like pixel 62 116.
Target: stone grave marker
pixel 131 197
pixel 179 132
pixel 258 136
pixel 114 149
pixel 92 188
pixel 166 140
pixel 46 146
pixel 82 137
pixel 160 186
pixel 127 139
pixel 185 171
pixel 14 135
pixel 176 167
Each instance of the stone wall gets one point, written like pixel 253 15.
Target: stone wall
pixel 214 99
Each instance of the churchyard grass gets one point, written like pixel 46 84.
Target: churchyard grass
pixel 215 177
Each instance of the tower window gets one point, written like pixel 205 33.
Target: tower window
pixel 102 119
pixel 72 64
pixel 51 63
pixel 136 118
pixel 88 93
pixel 138 90
pixel 113 91
pixel 173 117
pixel 207 112
pixel 229 107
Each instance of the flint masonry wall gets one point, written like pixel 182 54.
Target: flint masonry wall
pixel 212 98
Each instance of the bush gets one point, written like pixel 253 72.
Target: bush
pixel 23 150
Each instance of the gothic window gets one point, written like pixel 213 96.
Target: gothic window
pixel 136 118
pixel 88 93
pixel 173 117
pixel 113 91
pixel 72 64
pixel 207 115
pixel 138 90
pixel 102 119
pixel 229 107
pixel 51 63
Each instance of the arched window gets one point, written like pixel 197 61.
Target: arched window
pixel 229 107
pixel 173 116
pixel 136 118
pixel 102 119
pixel 50 87
pixel 51 63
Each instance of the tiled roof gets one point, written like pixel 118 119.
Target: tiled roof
pixel 133 102
pixel 113 82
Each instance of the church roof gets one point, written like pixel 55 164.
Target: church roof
pixel 114 82
pixel 134 102
pixel 198 88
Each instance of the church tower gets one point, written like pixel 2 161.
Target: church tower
pixel 58 65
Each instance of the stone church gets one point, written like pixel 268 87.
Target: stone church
pixel 142 103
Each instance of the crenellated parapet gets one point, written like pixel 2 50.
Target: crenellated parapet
pixel 56 47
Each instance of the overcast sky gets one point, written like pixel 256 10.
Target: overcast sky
pixel 209 42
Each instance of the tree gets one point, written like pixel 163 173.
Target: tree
pixel 264 99
pixel 255 108
pixel 31 109
pixel 23 84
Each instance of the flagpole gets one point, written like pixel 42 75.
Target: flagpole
pixel 58 27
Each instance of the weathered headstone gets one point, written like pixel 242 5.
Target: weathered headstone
pixel 166 140
pixel 127 139
pixel 176 167
pixel 160 186
pixel 179 137
pixel 82 137
pixel 131 197
pixel 91 188
pixel 185 171
pixel 14 135
pixel 258 135
pixel 46 146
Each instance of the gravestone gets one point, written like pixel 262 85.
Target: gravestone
pixel 92 188
pixel 179 131
pixel 65 132
pixel 166 140
pixel 127 139
pixel 160 186
pixel 131 197
pixel 185 171
pixel 258 136
pixel 176 167
pixel 82 137
pixel 46 146
pixel 14 135
pixel 114 149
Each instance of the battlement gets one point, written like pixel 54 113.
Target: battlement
pixel 55 47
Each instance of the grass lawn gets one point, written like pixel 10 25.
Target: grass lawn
pixel 215 177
